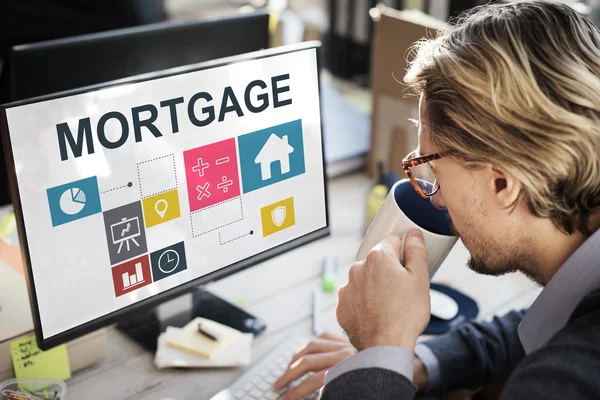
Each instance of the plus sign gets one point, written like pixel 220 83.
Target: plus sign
pixel 200 167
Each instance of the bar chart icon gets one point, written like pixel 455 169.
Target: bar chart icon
pixel 130 281
pixel 131 275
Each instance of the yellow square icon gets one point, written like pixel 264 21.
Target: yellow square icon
pixel 161 208
pixel 277 216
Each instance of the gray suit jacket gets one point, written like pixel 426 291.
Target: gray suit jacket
pixel 566 367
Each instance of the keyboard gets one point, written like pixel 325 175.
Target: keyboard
pixel 257 382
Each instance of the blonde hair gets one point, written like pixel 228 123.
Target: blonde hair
pixel 517 85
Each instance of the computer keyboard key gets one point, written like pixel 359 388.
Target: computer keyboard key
pixel 271 379
pixel 264 386
pixel 248 387
pixel 257 394
pixel 240 394
pixel 272 396
pixel 256 380
pixel 264 373
pixel 273 367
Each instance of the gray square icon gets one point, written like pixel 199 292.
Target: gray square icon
pixel 125 234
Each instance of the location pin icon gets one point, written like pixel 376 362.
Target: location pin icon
pixel 157 207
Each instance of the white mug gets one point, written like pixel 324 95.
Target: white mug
pixel 403 210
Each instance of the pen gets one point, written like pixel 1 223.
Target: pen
pixel 315 312
pixel 204 331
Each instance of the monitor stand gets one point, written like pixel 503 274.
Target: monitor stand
pixel 145 326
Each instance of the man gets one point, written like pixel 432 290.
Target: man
pixel 510 130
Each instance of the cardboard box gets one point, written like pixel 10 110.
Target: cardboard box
pixel 395 32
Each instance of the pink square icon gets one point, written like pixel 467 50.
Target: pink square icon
pixel 212 174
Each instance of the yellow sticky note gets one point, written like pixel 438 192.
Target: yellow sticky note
pixel 188 339
pixel 161 208
pixel 278 216
pixel 31 362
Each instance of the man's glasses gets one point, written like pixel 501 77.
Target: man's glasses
pixel 421 174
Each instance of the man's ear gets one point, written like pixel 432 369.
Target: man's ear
pixel 505 187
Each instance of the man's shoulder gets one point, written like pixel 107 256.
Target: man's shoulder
pixel 583 327
pixel 567 366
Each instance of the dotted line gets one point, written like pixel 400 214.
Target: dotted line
pixel 192 224
pixel 158 158
pixel 232 240
pixel 154 159
pixel 117 188
pixel 218 227
pixel 221 203
pixel 155 194
pixel 175 170
pixel 139 180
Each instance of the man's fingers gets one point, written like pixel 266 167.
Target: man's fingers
pixel 306 364
pixel 391 244
pixel 331 336
pixel 311 384
pixel 318 345
pixel 415 253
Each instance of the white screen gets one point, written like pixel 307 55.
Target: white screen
pixel 98 245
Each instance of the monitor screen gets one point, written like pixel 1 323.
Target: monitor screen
pixel 132 193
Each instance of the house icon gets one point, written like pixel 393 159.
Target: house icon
pixel 275 149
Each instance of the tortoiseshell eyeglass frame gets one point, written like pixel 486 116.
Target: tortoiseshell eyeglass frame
pixel 409 162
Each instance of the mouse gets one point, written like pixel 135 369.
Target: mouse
pixel 443 306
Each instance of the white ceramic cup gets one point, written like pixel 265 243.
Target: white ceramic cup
pixel 403 210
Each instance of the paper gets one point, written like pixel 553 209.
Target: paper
pixel 188 338
pixel 238 354
pixel 31 362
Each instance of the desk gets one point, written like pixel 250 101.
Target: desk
pixel 128 371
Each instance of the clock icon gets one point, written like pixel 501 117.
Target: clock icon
pixel 168 261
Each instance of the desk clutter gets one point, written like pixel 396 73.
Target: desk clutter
pixel 203 343
pixel 33 389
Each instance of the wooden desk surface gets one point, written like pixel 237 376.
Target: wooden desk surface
pixel 280 292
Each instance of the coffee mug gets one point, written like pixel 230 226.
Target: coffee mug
pixel 403 210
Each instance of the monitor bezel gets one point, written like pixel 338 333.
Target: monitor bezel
pixel 19 53
pixel 115 316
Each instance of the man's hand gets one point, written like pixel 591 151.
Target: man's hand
pixel 385 303
pixel 317 357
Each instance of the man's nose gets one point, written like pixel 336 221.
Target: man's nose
pixel 438 200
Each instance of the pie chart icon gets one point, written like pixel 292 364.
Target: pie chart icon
pixel 72 201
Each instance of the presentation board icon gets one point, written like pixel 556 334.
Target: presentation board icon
pixel 161 208
pixel 271 155
pixel 168 261
pixel 125 233
pixel 278 216
pixel 131 275
pixel 212 174
pixel 74 200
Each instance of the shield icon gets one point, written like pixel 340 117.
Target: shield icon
pixel 278 215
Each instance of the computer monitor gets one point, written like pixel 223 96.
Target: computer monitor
pixel 62 64
pixel 128 194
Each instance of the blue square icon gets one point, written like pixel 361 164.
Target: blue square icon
pixel 74 200
pixel 271 155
